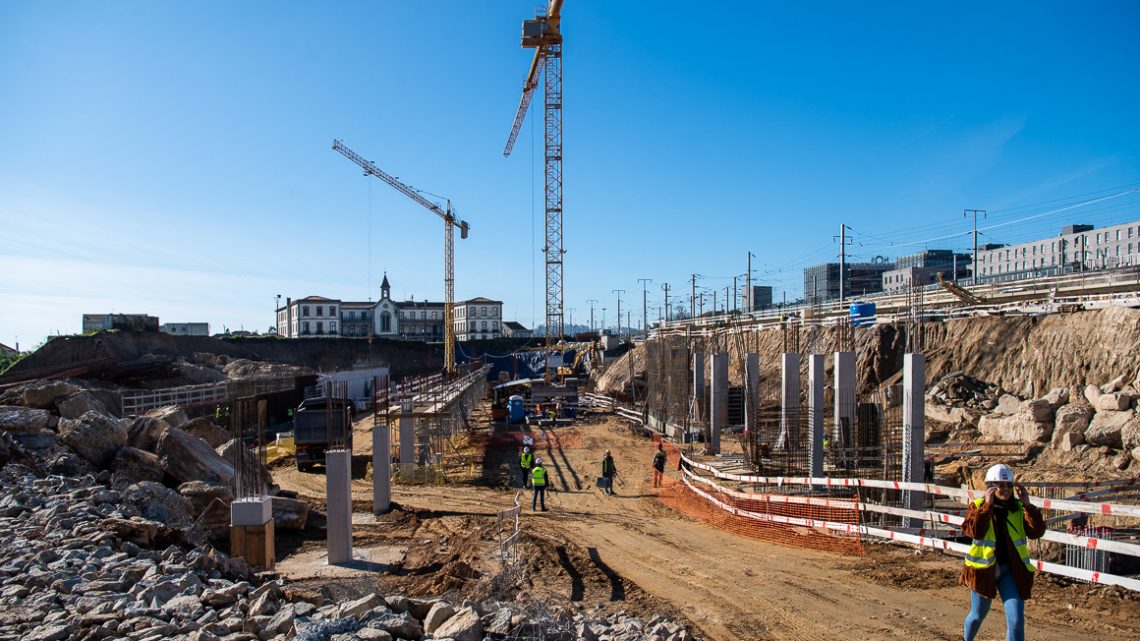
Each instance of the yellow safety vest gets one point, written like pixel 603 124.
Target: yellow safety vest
pixel 538 476
pixel 982 555
pixel 526 460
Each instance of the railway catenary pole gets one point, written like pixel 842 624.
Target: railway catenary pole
pixel 619 292
pixel 974 266
pixel 665 286
pixel 591 301
pixel 644 306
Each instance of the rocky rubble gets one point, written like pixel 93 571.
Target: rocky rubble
pixel 1099 421
pixel 81 561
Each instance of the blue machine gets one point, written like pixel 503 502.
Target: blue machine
pixel 516 409
pixel 863 314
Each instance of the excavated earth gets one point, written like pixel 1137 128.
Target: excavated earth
pixel 630 552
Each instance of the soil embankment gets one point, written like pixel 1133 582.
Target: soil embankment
pixel 1025 355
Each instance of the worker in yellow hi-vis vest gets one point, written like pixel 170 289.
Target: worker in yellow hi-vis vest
pixel 538 482
pixel 526 461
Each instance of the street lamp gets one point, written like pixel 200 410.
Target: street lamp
pixel 276 322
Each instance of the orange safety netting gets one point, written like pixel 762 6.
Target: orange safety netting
pixel 768 518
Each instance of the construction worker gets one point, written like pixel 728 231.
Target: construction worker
pixel 659 465
pixel 538 483
pixel 998 560
pixel 526 461
pixel 608 472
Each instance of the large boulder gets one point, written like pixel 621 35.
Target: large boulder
pixel 951 415
pixel 1008 405
pixel 1018 428
pixel 1092 392
pixel 1106 427
pixel 206 430
pixel 96 437
pixel 1057 396
pixel 290 514
pixel 210 506
pixel 157 502
pixel 136 465
pixel 44 394
pixel 1113 402
pixel 1130 433
pixel 16 419
pixel 1067 441
pixel 437 616
pixel 80 403
pixel 189 458
pixel 1040 409
pixel 144 432
pixel 1071 419
pixel 172 415
pixel 1115 385
pixel 463 626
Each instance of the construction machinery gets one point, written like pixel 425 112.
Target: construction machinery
pixel 544 36
pixel 450 222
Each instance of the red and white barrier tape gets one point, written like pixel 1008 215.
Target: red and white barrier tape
pixel 1107 509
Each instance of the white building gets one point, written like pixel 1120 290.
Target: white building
pixel 478 318
pixel 1077 248
pixel 404 320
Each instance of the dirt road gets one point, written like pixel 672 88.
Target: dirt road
pixel 733 587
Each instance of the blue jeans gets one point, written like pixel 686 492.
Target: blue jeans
pixel 1011 600
pixel 539 497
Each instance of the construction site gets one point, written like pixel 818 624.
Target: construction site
pixel 807 470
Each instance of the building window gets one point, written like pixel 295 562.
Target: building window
pixel 433 315
pixel 332 327
pixel 305 327
pixel 305 310
pixel 423 315
pixel 332 310
pixel 385 322
pixel 495 312
pixel 319 310
pixel 471 326
pixel 320 327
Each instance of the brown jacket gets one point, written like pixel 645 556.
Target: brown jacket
pixel 984 581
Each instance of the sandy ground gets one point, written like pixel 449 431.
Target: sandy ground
pixel 590 548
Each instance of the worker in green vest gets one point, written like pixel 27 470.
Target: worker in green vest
pixel 538 483
pixel 526 461
pixel 998 559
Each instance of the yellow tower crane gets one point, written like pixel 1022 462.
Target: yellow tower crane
pixel 544 35
pixel 450 221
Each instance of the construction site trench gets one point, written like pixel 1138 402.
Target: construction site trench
pixel 630 552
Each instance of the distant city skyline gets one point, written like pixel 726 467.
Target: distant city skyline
pixel 174 159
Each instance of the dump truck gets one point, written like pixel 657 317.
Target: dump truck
pixel 315 422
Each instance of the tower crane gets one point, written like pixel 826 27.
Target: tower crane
pixel 450 222
pixel 544 36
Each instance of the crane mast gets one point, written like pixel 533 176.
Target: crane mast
pixel 543 34
pixel 450 222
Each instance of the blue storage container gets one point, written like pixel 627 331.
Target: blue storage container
pixel 863 314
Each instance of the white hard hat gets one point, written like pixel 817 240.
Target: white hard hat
pixel 527 450
pixel 999 473
pixel 538 460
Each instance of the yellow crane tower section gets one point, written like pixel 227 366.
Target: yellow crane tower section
pixel 450 222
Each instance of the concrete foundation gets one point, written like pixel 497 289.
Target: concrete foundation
pixel 817 377
pixel 751 391
pixel 252 532
pixel 338 477
pixel 407 445
pixel 844 386
pixel 381 469
pixel 789 401
pixel 914 429
pixel 718 401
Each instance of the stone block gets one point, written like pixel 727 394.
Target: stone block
pixel 96 437
pixel 1113 402
pixel 1106 428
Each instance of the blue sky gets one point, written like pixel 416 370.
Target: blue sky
pixel 174 158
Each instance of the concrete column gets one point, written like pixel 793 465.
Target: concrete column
pixel 407 444
pixel 816 379
pixel 718 401
pixel 789 401
pixel 843 434
pixel 698 383
pixel 381 469
pixel 338 495
pixel 914 429
pixel 751 391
